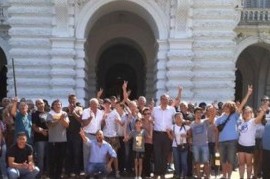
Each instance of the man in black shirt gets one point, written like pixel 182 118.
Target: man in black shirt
pixel 74 141
pixel 39 125
pixel 20 159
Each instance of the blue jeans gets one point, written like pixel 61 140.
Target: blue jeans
pixel 200 153
pixel 22 173
pixel 97 168
pixel 180 162
pixel 42 153
pixel 3 164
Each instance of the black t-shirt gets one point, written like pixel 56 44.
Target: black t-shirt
pixel 20 155
pixel 39 119
pixel 74 125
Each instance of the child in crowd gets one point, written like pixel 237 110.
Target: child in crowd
pixel 138 136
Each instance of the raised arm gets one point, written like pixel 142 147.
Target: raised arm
pixel 244 101
pixel 99 93
pixel 177 100
pixel 125 92
pixel 14 106
pixel 263 109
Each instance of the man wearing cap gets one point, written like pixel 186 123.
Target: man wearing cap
pixel 91 120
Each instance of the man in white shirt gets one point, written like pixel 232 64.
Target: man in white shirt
pixel 163 120
pixel 110 122
pixel 91 119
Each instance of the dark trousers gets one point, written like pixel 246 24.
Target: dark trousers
pixel 147 159
pixel 190 162
pixel 266 164
pixel 121 155
pixel 74 153
pixel 56 156
pixel 161 144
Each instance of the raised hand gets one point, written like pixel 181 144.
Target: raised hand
pixel 250 89
pixel 99 93
pixel 124 86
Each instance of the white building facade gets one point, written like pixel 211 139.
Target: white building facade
pixel 213 48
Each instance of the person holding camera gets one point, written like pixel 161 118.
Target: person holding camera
pixel 179 136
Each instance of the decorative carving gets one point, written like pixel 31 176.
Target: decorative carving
pixel 164 5
pixel 61 17
pixel 182 15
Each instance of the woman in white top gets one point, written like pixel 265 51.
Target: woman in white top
pixel 179 136
pixel 246 142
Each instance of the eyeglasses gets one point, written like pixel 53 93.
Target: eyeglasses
pixel 147 113
pixel 265 100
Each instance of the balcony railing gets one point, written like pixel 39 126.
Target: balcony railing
pixel 255 16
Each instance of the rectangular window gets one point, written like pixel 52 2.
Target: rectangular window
pixel 256 3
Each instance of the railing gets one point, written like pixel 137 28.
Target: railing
pixel 255 16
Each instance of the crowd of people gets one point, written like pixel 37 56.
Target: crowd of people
pixel 133 138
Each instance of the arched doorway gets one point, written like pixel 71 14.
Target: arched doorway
pixel 142 23
pixel 120 63
pixel 238 85
pixel 3 74
pixel 253 65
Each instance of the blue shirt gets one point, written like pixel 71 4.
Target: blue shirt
pixel 229 132
pixel 266 137
pixel 98 154
pixel 23 123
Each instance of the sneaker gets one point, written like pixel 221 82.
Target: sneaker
pixel 117 175
pixel 72 175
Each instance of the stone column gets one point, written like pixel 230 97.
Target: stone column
pixel 179 68
pixel 214 46
pixel 80 86
pixel 160 68
pixel 62 74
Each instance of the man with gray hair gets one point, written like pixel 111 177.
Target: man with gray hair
pixel 91 120
pixel 23 121
pixel 163 120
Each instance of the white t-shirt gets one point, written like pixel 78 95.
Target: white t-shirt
pixel 163 119
pixel 247 131
pixel 178 131
pixel 57 133
pixel 110 128
pixel 95 123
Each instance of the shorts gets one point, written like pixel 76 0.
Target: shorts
pixel 245 149
pixel 138 155
pixel 114 141
pixel 200 153
pixel 227 150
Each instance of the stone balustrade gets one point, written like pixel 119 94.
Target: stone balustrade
pixel 250 16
